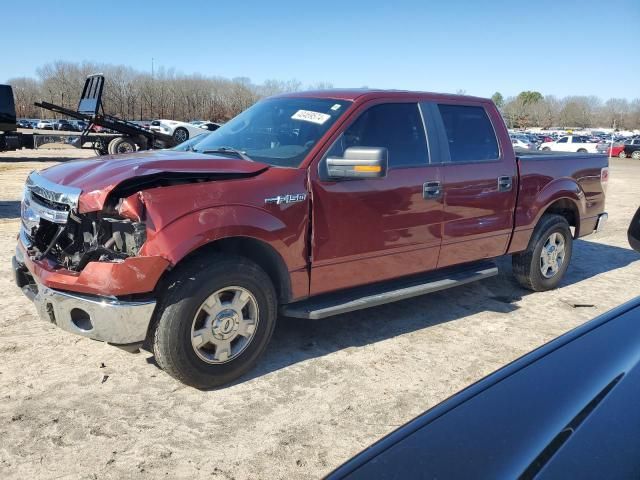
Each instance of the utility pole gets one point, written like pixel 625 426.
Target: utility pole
pixel 612 133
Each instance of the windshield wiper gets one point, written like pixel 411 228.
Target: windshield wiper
pixel 235 151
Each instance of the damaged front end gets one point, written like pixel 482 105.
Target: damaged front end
pixel 83 271
pixel 52 228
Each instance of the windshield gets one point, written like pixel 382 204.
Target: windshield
pixel 277 131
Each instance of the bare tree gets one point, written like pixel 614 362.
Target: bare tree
pixel 132 94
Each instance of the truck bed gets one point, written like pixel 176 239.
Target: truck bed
pixel 538 170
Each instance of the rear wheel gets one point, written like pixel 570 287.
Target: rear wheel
pixel 218 316
pixel 544 263
pixel 582 150
pixel 546 149
pixel 622 154
pixel 180 135
pixel 121 145
pixel 100 147
pixel 636 155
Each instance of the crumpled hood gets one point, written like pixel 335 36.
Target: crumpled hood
pixel 98 177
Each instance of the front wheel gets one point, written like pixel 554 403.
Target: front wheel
pixel 582 150
pixel 622 154
pixel 636 155
pixel 544 263
pixel 216 320
pixel 546 149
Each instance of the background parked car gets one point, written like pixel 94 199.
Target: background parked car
pixel 78 125
pixel 615 150
pixel 211 126
pixel 45 125
pixel 571 143
pixel 519 142
pixel 64 125
pixel 24 124
pixel 180 131
pixel 632 149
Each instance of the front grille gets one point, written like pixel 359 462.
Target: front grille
pixel 49 203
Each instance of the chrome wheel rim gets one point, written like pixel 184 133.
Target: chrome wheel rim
pixel 224 325
pixel 636 155
pixel 181 135
pixel 552 255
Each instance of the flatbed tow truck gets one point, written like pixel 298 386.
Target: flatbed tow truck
pixel 128 137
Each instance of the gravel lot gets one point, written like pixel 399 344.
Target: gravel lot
pixel 74 408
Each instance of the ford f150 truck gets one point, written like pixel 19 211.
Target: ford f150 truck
pixel 305 205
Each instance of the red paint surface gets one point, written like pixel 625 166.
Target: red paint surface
pixel 133 275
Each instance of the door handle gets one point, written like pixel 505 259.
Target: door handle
pixel 504 184
pixel 431 190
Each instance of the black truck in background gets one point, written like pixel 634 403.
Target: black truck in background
pixel 10 138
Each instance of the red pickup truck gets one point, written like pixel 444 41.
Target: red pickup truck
pixel 306 205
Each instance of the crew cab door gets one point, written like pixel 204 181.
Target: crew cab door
pixel 479 181
pixel 374 229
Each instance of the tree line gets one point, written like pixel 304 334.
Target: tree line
pixel 532 109
pixel 135 95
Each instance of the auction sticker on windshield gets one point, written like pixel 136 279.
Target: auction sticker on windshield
pixel 310 116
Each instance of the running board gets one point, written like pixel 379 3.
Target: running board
pixel 330 304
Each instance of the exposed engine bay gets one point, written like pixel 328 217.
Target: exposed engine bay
pixel 52 227
pixel 103 236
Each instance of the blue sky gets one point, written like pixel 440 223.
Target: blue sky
pixel 556 47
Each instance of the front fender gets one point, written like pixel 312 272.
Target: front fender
pixel 196 229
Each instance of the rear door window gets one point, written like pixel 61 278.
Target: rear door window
pixel 470 134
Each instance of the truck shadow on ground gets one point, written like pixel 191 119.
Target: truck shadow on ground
pixel 297 340
pixel 9 209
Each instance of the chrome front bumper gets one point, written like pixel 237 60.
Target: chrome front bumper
pixel 104 319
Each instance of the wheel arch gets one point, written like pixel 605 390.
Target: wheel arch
pixel 563 196
pixel 567 208
pixel 258 251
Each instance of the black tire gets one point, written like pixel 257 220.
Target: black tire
pixel 188 287
pixel 582 150
pixel 121 145
pixel 100 148
pixel 180 135
pixel 546 149
pixel 526 265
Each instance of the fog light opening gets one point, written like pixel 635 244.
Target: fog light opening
pixel 81 319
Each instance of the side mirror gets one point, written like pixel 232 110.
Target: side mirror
pixel 359 162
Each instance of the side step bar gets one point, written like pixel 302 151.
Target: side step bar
pixel 327 305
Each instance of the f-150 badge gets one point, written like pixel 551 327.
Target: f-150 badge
pixel 288 198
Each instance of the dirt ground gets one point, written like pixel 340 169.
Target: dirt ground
pixel 74 408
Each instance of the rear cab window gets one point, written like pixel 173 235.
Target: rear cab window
pixel 469 133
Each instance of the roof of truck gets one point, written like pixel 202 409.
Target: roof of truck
pixel 352 94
